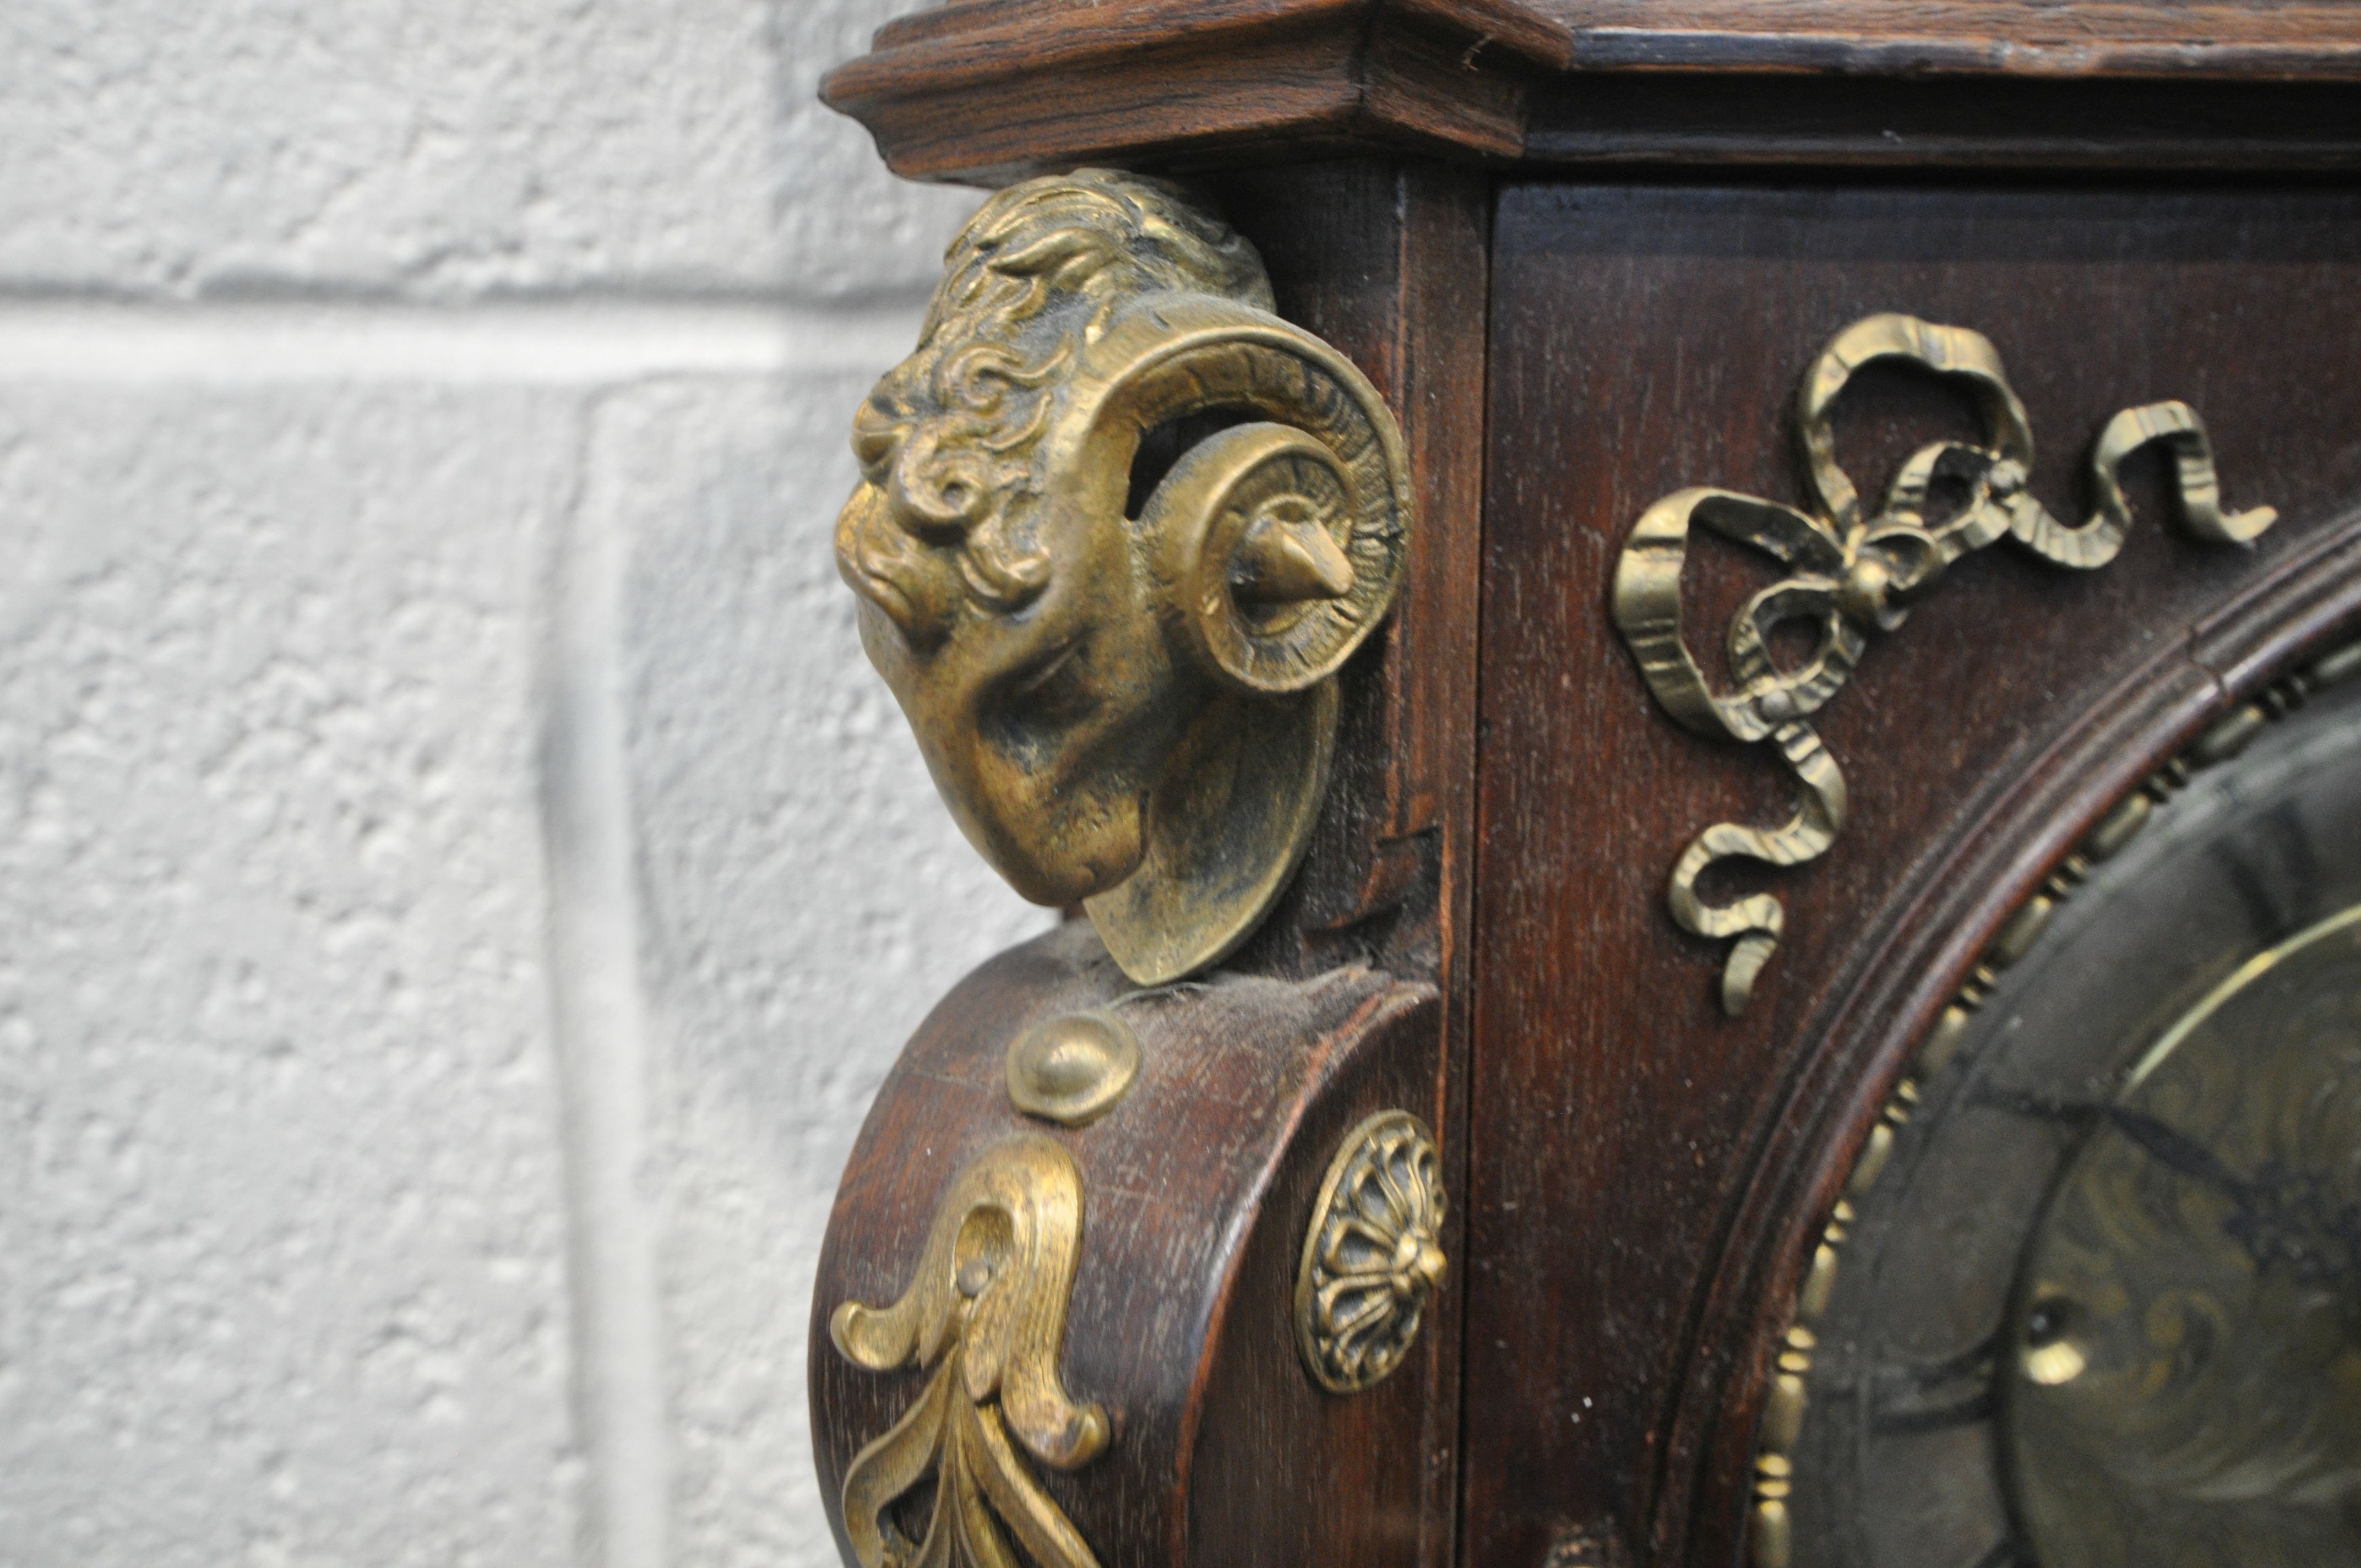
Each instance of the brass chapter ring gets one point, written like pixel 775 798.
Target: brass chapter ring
pixel 1373 1255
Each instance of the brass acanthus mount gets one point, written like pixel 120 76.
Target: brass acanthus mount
pixel 1853 573
pixel 1118 528
pixel 986 1308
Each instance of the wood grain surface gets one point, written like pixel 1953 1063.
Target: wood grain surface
pixel 1644 1169
pixel 1584 248
pixel 994 89
pixel 2275 39
pixel 1353 998
pixel 1387 260
pixel 1196 1191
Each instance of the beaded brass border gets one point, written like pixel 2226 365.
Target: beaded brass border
pixel 1769 1532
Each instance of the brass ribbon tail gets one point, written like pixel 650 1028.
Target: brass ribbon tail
pixel 1757 919
pixel 2196 487
pixel 1770 704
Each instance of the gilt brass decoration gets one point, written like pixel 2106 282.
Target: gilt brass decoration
pixel 1119 527
pixel 1373 1255
pixel 1072 1068
pixel 986 1310
pixel 2097 1437
pixel 1851 574
pixel 2187 1387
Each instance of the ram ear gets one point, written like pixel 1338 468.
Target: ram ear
pixel 1277 543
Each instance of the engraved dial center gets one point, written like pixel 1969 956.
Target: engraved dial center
pixel 2188 1363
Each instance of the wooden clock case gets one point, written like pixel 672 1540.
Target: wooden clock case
pixel 1584 248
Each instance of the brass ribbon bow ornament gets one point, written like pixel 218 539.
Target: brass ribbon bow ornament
pixel 1851 574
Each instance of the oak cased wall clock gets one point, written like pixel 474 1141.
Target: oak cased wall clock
pixel 1691 674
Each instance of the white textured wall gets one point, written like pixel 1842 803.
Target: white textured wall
pixel 459 883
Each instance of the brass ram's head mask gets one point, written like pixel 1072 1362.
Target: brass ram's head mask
pixel 1119 526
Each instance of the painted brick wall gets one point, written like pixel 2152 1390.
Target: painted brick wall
pixel 459 883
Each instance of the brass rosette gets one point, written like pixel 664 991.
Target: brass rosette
pixel 1373 1255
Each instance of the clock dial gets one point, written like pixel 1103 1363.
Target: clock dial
pixel 2185 1384
pixel 2098 1302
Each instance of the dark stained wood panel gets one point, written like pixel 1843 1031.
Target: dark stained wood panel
pixel 1641 1166
pixel 1726 119
pixel 1508 24
pixel 2068 37
pixel 1195 1191
pixel 1387 260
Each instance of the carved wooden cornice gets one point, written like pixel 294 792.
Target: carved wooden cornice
pixel 990 91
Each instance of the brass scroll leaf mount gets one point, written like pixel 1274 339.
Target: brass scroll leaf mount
pixel 1850 575
pixel 986 1310
pixel 1118 528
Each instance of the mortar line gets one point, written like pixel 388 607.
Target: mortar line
pixel 564 341
pixel 600 1023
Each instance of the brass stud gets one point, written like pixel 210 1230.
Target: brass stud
pixel 1819 1282
pixel 2335 668
pixel 2118 827
pixel 2229 737
pixel 1072 1070
pixel 1871 1163
pixel 2023 929
pixel 1942 1042
pixel 1782 1413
